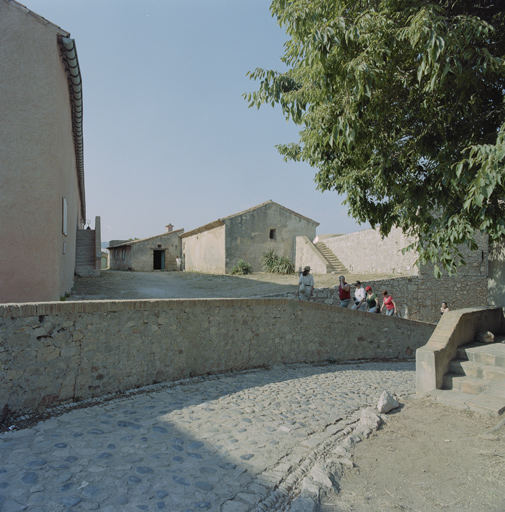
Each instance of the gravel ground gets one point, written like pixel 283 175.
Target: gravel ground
pixel 118 285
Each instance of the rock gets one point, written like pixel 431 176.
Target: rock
pixel 341 452
pixel 310 488
pixel 319 476
pixel 485 337
pixel 387 402
pixel 304 504
pixel 363 431
pixel 370 419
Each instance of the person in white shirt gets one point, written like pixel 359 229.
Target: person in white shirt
pixel 359 297
pixel 307 280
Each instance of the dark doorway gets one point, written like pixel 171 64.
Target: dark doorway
pixel 159 260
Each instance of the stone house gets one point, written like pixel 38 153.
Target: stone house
pixel 218 246
pixel 154 253
pixel 42 198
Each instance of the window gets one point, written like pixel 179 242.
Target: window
pixel 272 234
pixel 64 215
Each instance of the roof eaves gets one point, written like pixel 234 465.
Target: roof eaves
pixel 133 242
pixel 37 17
pixel 270 202
pixel 201 229
pixel 71 63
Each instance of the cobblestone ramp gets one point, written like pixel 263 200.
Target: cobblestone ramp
pixel 235 442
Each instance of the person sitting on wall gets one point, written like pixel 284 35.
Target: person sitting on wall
pixel 389 303
pixel 371 301
pixel 305 285
pixel 444 308
pixel 359 297
pixel 344 292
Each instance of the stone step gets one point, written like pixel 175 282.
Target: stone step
pixel 335 263
pixel 485 353
pixel 477 370
pixel 465 384
pixel 483 403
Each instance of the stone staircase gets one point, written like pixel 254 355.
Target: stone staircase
pixel 336 266
pixel 476 379
pixel 85 253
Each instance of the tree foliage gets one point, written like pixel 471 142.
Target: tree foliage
pixel 401 108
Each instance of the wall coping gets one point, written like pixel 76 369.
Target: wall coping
pixel 22 310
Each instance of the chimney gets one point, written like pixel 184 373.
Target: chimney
pixel 170 228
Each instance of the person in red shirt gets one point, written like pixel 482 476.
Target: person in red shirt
pixel 344 292
pixel 389 303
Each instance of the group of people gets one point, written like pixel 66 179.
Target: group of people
pixel 364 298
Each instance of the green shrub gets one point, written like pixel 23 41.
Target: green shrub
pixel 242 268
pixel 268 260
pixel 284 266
pixel 274 264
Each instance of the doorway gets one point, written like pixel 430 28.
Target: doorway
pixel 159 260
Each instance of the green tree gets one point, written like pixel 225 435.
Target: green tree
pixel 401 105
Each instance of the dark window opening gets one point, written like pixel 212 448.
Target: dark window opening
pixel 272 234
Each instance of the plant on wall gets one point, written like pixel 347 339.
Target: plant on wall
pixel 242 268
pixel 275 264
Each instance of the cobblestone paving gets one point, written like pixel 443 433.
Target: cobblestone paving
pixel 218 444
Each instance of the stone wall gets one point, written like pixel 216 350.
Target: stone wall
pixel 55 352
pixel 367 252
pixel 496 280
pixel 307 254
pixel 205 251
pixel 418 297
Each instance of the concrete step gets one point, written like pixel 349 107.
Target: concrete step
pixel 483 403
pixel 465 384
pixel 476 379
pixel 85 253
pixel 477 370
pixel 485 353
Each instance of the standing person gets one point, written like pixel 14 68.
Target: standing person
pixel 359 297
pixel 371 301
pixel 344 292
pixel 444 308
pixel 305 285
pixel 389 303
pixel 178 262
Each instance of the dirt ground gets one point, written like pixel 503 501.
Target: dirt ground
pixel 117 285
pixel 428 457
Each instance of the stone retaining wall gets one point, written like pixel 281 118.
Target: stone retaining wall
pixel 417 297
pixel 58 352
pixel 366 251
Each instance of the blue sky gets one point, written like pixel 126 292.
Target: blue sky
pixel 168 137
